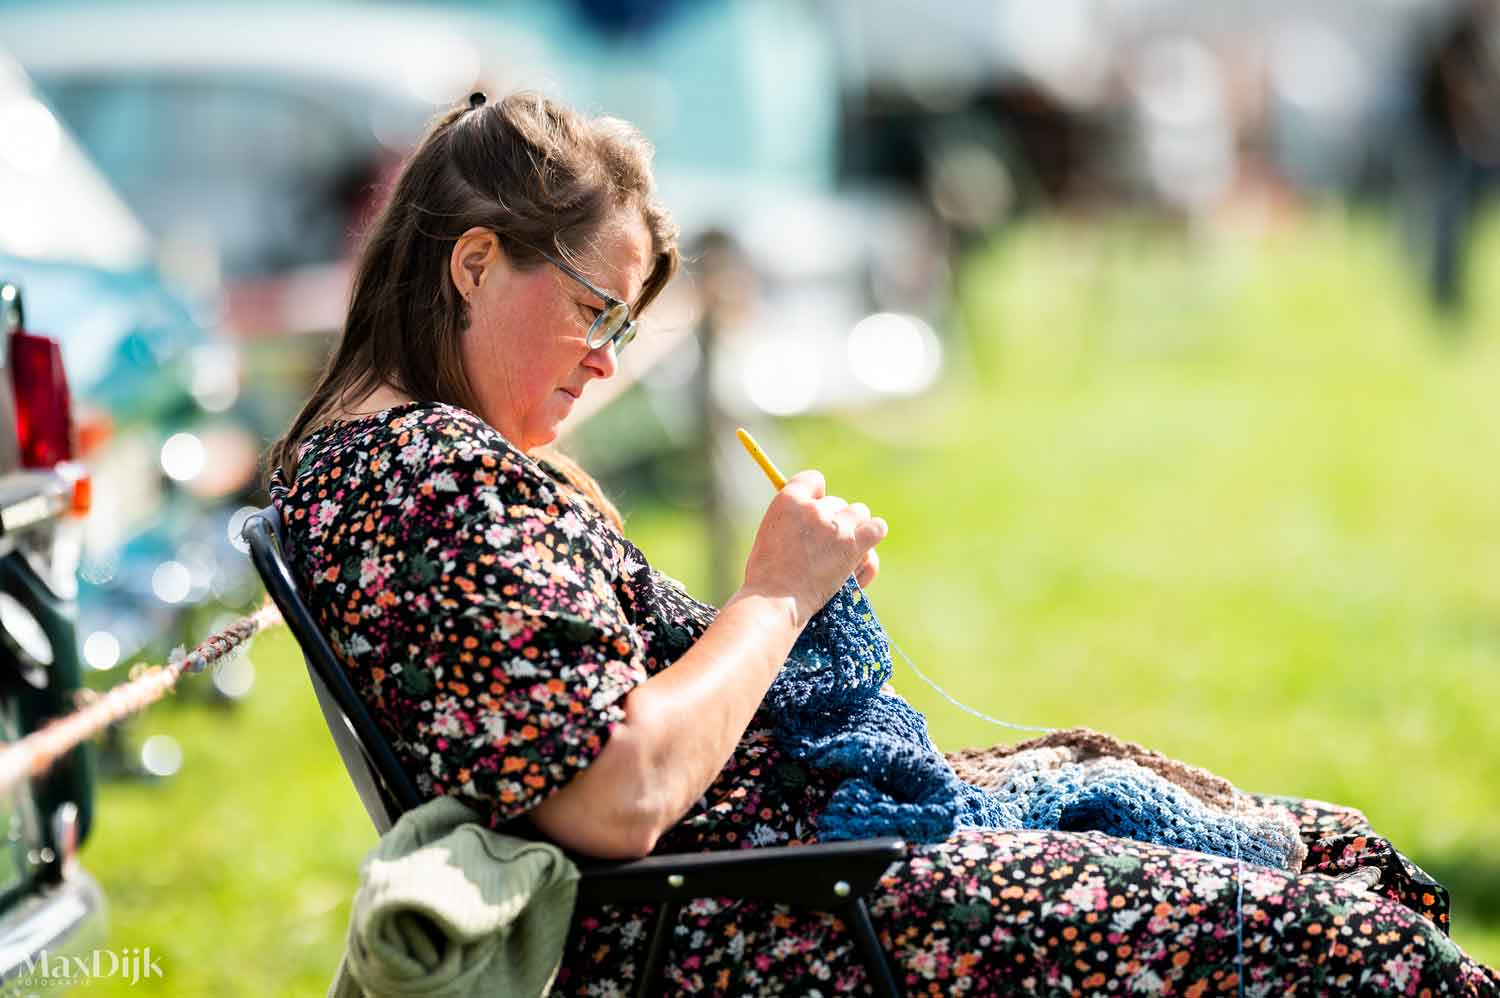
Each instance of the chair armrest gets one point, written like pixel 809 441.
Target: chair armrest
pixel 823 875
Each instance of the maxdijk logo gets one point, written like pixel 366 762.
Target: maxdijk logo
pixel 130 964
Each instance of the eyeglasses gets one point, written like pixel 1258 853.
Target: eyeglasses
pixel 613 324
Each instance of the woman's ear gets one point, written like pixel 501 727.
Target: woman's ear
pixel 476 258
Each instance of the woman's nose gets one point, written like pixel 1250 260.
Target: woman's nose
pixel 601 360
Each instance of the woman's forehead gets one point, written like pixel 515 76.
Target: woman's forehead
pixel 618 257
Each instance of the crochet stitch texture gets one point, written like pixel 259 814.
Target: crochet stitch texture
pixel 829 711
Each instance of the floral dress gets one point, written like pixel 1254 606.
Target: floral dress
pixel 495 622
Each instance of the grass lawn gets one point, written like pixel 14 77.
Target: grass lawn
pixel 1233 497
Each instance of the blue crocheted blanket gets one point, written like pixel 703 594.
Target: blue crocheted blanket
pixel 829 711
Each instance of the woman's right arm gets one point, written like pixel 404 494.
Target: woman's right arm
pixel 682 725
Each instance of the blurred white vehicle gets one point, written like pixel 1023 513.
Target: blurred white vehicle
pixel 248 143
pixel 146 371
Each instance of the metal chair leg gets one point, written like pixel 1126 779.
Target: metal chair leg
pixel 877 968
pixel 656 949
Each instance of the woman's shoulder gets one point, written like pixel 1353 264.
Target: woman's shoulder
pixel 438 426
pixel 414 439
pixel 428 454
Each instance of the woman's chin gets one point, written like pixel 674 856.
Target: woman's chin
pixel 546 423
pixel 542 436
pixel 562 405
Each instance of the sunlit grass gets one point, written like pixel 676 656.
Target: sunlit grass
pixel 1234 498
pixel 239 870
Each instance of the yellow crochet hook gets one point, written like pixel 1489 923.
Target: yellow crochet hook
pixel 776 477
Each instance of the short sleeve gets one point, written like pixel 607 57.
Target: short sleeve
pixel 523 651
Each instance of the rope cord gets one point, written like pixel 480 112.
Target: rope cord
pixel 34 754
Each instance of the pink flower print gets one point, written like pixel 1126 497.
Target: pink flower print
pixel 373 570
pixel 413 452
pixel 322 514
pixel 572 525
pixel 923 963
pixel 1400 971
pixel 1087 894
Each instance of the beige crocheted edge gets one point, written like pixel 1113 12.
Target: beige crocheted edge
pixel 987 769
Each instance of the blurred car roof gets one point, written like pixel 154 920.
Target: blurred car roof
pixel 739 97
pixel 54 204
pixel 725 86
pixel 402 52
pixel 80 256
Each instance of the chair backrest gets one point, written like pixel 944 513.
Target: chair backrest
pixel 384 787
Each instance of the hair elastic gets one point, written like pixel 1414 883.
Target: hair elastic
pixel 477 99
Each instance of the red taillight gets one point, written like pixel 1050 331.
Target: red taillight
pixel 83 495
pixel 43 409
pixel 92 429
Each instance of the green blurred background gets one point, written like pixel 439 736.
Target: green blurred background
pixel 1230 496
pixel 1155 330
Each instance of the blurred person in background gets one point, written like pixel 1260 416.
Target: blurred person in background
pixel 1459 103
pixel 520 654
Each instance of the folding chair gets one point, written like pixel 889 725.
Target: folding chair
pixel 833 876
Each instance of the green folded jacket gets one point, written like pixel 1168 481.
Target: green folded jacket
pixel 447 908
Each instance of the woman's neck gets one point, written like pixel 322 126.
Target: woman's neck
pixel 383 397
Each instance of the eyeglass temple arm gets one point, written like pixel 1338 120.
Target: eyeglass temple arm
pixel 609 300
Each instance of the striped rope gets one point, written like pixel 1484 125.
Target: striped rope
pixel 37 752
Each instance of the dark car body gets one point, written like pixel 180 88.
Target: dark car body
pixel 48 903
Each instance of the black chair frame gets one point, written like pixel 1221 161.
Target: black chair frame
pixel 832 876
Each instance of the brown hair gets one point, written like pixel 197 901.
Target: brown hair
pixel 536 173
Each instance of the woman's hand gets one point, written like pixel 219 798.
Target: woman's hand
pixel 683 723
pixel 809 542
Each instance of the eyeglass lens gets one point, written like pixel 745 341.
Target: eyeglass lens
pixel 613 322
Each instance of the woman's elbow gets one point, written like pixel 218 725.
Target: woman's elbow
pixel 590 827
pixel 614 809
pixel 627 840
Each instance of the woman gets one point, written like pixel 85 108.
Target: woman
pixel 523 656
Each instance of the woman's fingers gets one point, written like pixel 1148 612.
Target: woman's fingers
pixel 810 542
pixel 831 507
pixel 807 484
pixel 865 530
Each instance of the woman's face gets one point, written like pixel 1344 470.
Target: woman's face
pixel 525 351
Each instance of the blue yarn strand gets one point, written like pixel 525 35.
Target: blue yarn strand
pixel 944 693
pixel 963 706
pixel 1239 859
pixel 1239 903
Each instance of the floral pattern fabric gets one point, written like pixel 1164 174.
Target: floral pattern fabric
pixel 495 622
